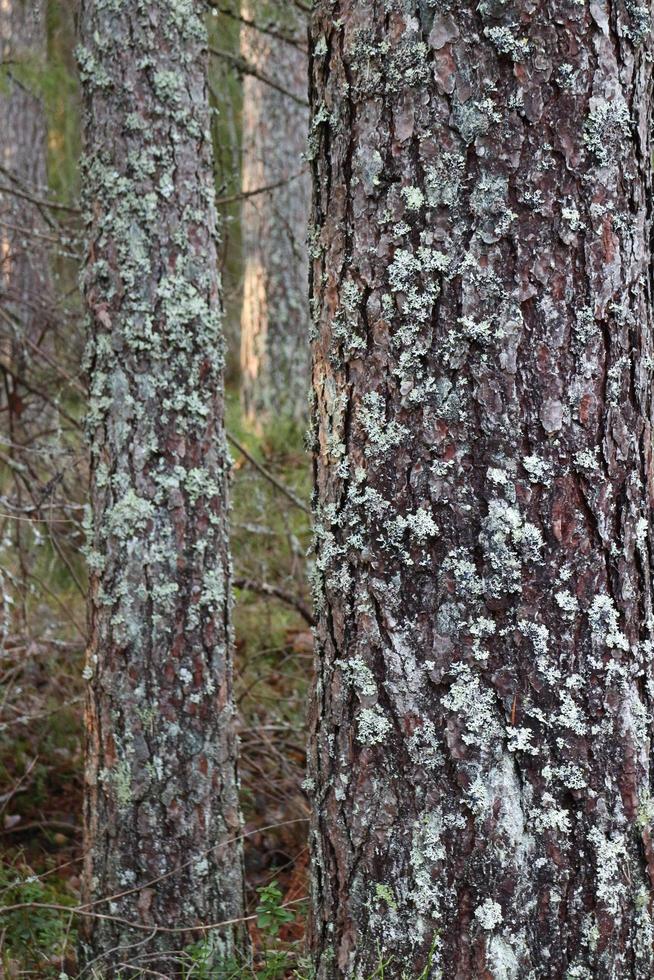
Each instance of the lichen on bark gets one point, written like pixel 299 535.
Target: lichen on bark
pixel 163 851
pixel 482 369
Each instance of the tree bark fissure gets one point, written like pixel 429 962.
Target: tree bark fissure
pixel 163 844
pixel 482 297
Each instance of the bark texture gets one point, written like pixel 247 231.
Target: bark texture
pixel 24 267
pixel 275 314
pixel 161 806
pixel 482 289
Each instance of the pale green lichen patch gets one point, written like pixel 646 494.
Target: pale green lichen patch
pixel 373 726
pixel 548 816
pixel 382 435
pixel 508 541
pixel 386 66
pixel 427 853
pixel 360 675
pixel 604 623
pixel 639 26
pixel 475 117
pixel 489 914
pixel 91 71
pixel 481 629
pixel 474 705
pixel 508 42
pixel 443 180
pixel 607 126
pixel 567 602
pixel 384 893
pixel 129 515
pixel 539 470
pixel 610 855
pixel 413 198
pixel 119 779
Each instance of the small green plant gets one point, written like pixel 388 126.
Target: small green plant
pixel 199 963
pixel 33 935
pixel 271 914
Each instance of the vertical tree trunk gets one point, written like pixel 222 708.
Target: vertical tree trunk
pixel 162 810
pixel 24 269
pixel 483 376
pixel 275 315
pixel 25 284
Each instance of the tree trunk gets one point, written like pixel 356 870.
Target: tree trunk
pixel 24 268
pixel 275 314
pixel 25 283
pixel 161 810
pixel 483 376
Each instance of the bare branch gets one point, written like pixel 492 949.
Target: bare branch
pixel 269 476
pixel 242 66
pixel 263 29
pixel 263 588
pixel 244 195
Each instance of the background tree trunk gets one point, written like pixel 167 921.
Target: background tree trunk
pixel 161 810
pixel 24 268
pixel 25 282
pixel 275 315
pixel 483 376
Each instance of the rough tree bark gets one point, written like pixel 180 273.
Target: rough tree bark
pixel 161 805
pixel 275 314
pixel 483 368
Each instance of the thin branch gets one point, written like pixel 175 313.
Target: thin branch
pixel 269 476
pixel 155 930
pixel 62 605
pixel 40 394
pixel 65 828
pixel 50 221
pixel 270 31
pixel 39 201
pixel 31 233
pixel 242 66
pixel 263 588
pixel 244 195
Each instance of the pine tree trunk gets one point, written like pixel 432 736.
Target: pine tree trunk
pixel 162 813
pixel 275 315
pixel 483 375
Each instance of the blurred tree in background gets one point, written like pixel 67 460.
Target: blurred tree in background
pixel 43 493
pixel 275 312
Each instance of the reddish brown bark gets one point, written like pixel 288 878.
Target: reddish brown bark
pixel 482 290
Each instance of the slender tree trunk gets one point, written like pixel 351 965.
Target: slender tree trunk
pixel 162 813
pixel 275 315
pixel 25 283
pixel 483 375
pixel 24 268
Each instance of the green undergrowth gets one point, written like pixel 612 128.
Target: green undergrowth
pixel 41 728
pixel 35 937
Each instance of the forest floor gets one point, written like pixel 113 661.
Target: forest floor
pixel 41 702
